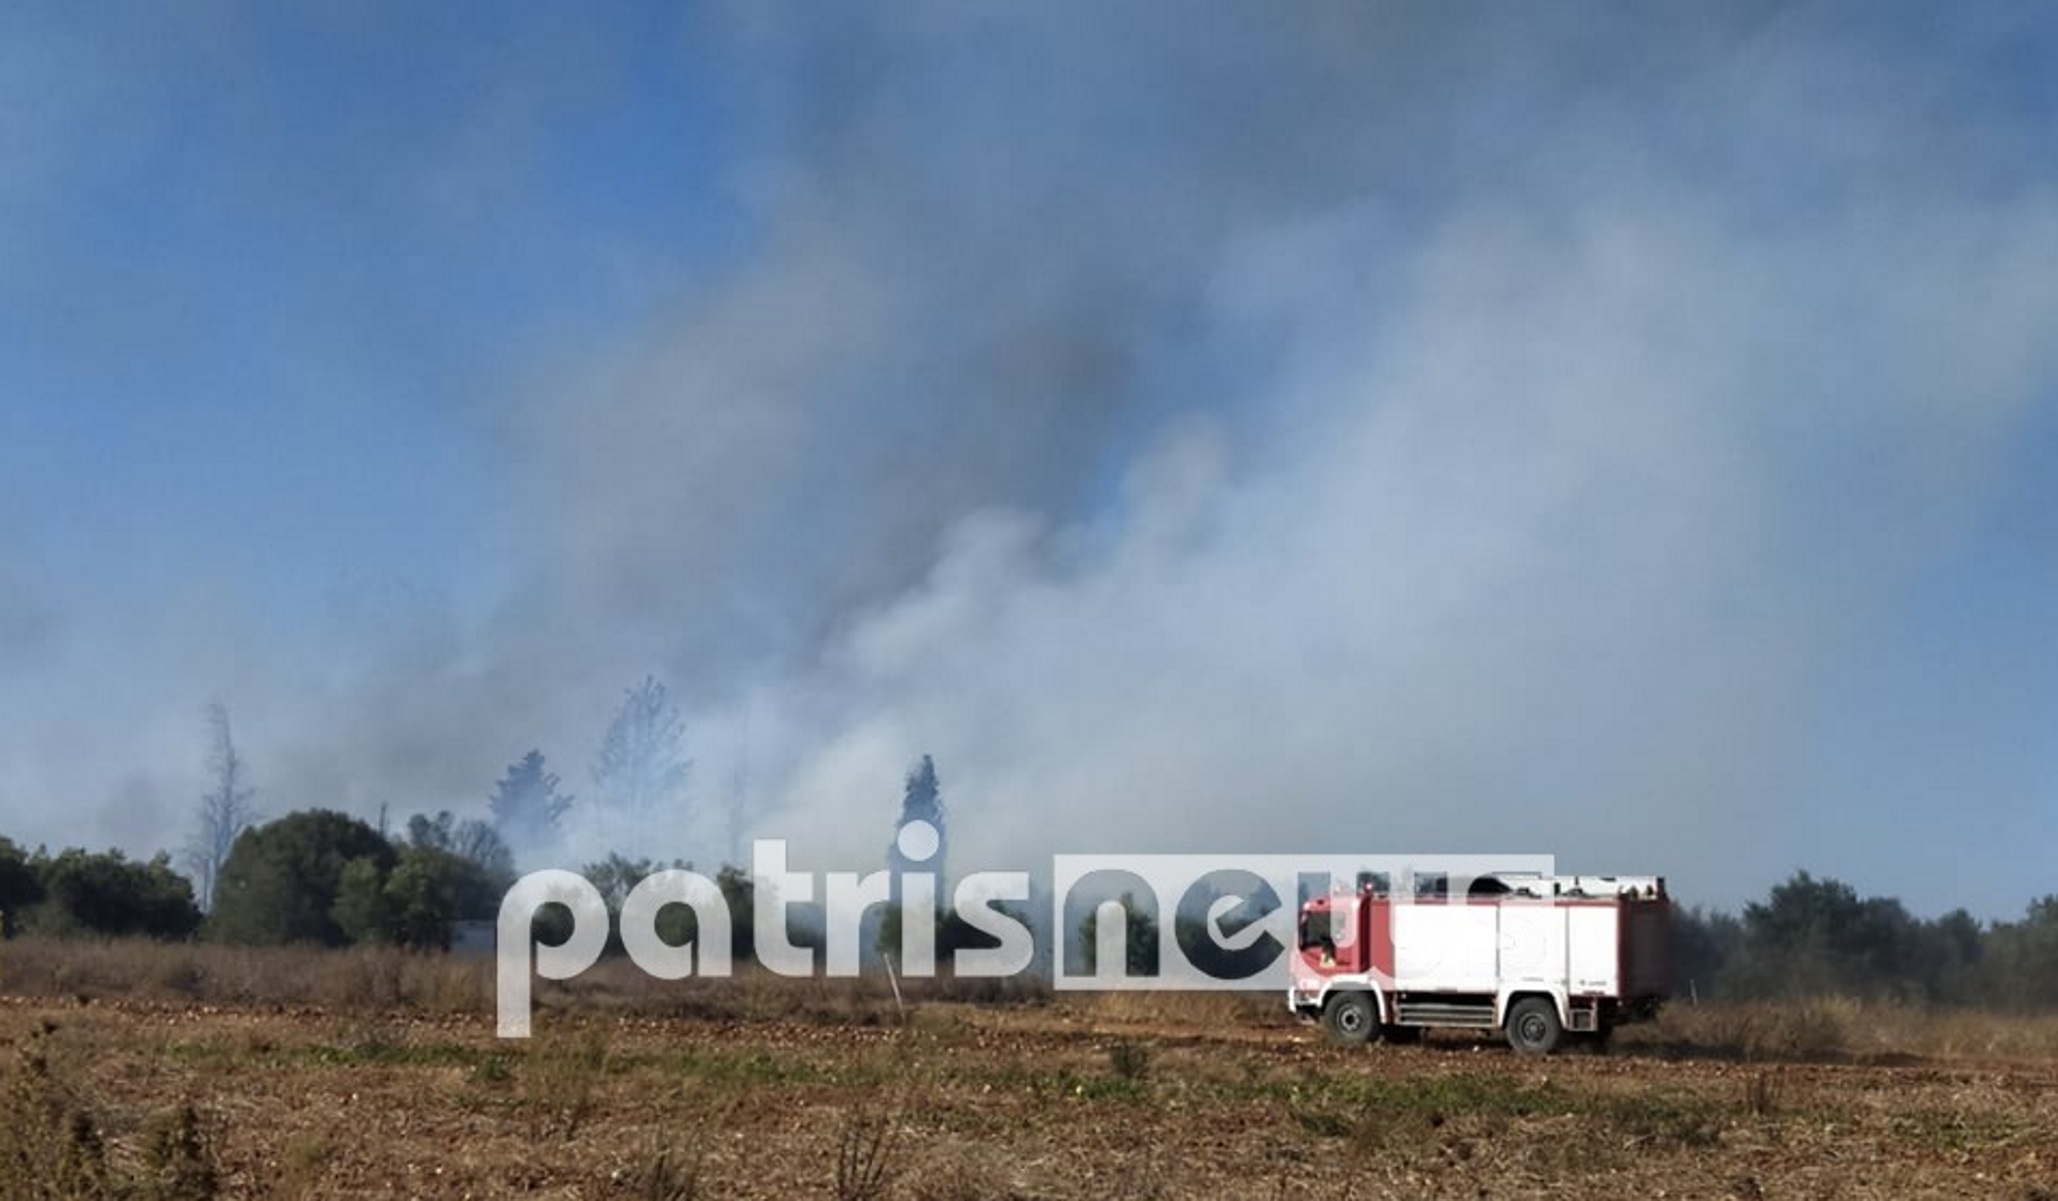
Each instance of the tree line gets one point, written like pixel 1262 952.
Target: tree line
pixel 324 877
pixel 315 876
pixel 1815 936
pixel 639 773
pixel 318 876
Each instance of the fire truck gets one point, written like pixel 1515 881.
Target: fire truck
pixel 1547 960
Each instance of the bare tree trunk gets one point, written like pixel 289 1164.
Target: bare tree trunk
pixel 224 811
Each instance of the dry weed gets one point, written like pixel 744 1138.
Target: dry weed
pixel 52 1147
pixel 866 1164
pixel 559 1077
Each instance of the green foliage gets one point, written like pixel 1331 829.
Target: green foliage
pixel 361 910
pixel 325 877
pixel 450 871
pixel 107 894
pixel 1702 942
pixel 2020 968
pixel 1816 937
pixel 471 840
pixel 19 887
pixel 415 904
pixel 282 881
pixel 741 894
pixel 617 875
pixel 1949 950
pixel 953 932
pixel 430 889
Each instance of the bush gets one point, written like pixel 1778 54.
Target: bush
pixel 19 887
pixel 282 880
pixel 106 894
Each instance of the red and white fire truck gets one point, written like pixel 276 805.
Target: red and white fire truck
pixel 1546 959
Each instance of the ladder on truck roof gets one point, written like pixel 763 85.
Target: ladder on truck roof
pixel 1628 887
pixel 1520 884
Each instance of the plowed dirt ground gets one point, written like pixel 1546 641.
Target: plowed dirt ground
pixel 1066 1099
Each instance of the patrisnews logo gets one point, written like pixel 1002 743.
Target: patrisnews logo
pixel 1217 922
pixel 1223 923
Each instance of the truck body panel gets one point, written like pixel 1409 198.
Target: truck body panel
pixel 1593 948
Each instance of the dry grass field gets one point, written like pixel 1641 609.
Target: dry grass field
pixel 188 1072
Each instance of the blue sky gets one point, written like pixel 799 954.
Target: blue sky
pixel 1628 436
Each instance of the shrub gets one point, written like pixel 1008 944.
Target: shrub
pixel 51 1147
pixel 107 894
pixel 282 880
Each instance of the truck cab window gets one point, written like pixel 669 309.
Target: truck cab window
pixel 1315 931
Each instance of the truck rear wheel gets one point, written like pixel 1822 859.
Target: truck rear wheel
pixel 1533 1026
pixel 1348 1017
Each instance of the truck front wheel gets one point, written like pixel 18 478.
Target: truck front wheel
pixel 1533 1026
pixel 1348 1017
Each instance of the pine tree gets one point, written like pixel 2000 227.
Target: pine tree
pixel 527 806
pixel 921 800
pixel 642 767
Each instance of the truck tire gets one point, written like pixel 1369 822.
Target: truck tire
pixel 1533 1026
pixel 1349 1017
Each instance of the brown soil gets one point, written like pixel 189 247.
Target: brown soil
pixel 1067 1099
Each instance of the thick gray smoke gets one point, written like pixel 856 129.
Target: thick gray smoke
pixel 1373 429
pixel 1273 428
